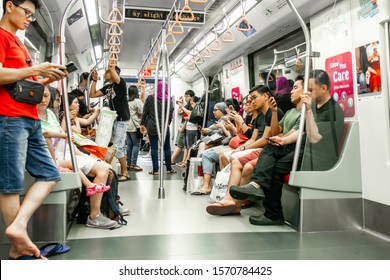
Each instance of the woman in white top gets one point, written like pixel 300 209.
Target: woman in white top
pixel 134 136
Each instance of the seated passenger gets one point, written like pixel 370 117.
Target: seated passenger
pixel 276 160
pixel 260 97
pixel 211 156
pixel 88 165
pixel 219 111
pixel 78 123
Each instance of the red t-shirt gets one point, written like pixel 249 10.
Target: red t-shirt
pixel 13 54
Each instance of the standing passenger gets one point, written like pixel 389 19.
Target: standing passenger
pixel 20 131
pixel 149 125
pixel 136 107
pixel 116 92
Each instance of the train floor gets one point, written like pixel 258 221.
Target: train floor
pixel 178 227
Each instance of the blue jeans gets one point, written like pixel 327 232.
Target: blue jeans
pixel 154 151
pixel 119 137
pixel 133 146
pixel 23 147
pixel 209 157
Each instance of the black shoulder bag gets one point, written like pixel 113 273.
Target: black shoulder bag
pixel 26 91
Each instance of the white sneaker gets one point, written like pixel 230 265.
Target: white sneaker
pixel 101 222
pixel 124 211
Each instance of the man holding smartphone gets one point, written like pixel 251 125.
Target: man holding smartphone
pixel 116 92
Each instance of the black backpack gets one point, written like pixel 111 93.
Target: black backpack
pixel 111 199
pixel 109 206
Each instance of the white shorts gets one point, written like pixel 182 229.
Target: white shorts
pixel 85 163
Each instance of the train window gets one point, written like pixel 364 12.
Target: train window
pixel 288 65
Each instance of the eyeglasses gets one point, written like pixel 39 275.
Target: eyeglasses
pixel 27 12
pixel 214 110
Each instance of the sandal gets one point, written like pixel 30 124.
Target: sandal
pixel 172 171
pixel 92 190
pixel 136 168
pixel 201 192
pixel 181 164
pixel 219 209
pixel 153 172
pixel 102 188
pixel 123 178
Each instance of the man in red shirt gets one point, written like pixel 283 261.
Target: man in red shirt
pixel 21 141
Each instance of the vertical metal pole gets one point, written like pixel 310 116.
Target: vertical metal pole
pixel 206 93
pixel 89 80
pixel 161 190
pixel 64 85
pixel 306 83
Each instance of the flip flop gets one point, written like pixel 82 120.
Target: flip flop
pixel 53 249
pixel 25 258
pixel 172 171
pixel 136 168
pixel 218 209
pixel 127 178
pixel 201 192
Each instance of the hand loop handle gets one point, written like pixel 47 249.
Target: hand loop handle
pixel 114 41
pixel 186 9
pixel 114 49
pixel 198 59
pixel 170 39
pixel 228 36
pixel 177 28
pixel 247 24
pixel 115 30
pixel 115 16
pixel 206 52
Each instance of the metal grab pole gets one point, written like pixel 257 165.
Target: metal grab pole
pixel 206 93
pixel 64 85
pixel 89 80
pixel 272 67
pixel 305 86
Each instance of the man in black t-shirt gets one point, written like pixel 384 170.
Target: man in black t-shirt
pixel 116 93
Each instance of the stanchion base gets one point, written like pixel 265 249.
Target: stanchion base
pixel 161 193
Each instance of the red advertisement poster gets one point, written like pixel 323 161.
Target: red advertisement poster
pixel 339 69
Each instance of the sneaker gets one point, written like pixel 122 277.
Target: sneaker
pixel 124 211
pixel 101 222
pixel 264 221
pixel 246 192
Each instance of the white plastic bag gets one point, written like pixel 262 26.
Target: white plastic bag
pixel 195 175
pixel 220 186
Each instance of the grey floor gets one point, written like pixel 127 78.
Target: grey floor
pixel 178 227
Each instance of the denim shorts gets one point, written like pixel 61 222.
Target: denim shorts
pixel 119 137
pixel 23 148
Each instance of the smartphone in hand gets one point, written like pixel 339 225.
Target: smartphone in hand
pixel 71 67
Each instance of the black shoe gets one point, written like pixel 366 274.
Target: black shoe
pixel 246 192
pixel 264 221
